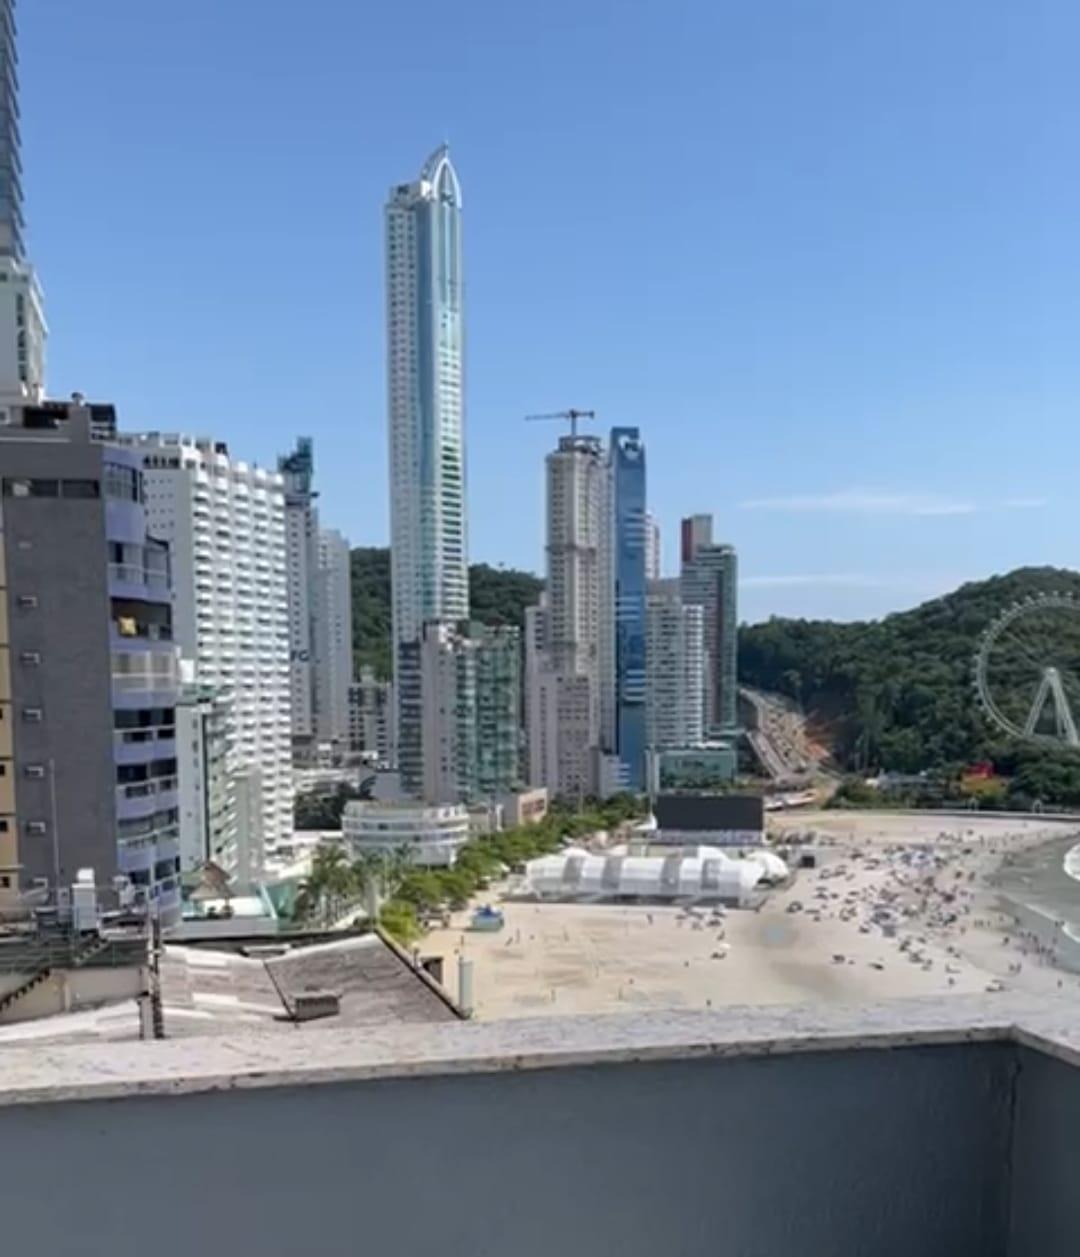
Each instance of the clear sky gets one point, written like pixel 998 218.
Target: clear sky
pixel 824 252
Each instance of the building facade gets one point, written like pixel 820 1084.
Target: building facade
pixel 676 669
pixel 498 710
pixel 206 740
pixel 428 835
pixel 88 665
pixel 225 522
pixel 448 739
pixel 564 658
pixel 709 579
pixel 332 639
pixel 301 540
pixel 694 532
pixel 576 505
pixel 652 547
pixel 425 386
pixel 22 314
pixel 471 687
pixel 371 717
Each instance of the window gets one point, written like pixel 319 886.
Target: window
pixel 30 657
pixel 22 488
pixel 80 488
pixel 32 715
pixel 27 600
pixel 35 771
pixel 36 827
pixel 121 482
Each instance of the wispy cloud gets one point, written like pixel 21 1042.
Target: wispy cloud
pixel 866 502
pixel 1024 504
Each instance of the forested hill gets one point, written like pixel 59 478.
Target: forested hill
pixel 496 596
pixel 897 693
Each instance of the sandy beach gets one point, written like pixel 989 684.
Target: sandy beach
pixel 899 905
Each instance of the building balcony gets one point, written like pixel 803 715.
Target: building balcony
pixel 140 746
pixel 944 1129
pixel 137 799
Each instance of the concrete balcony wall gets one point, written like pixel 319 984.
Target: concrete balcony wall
pixel 763 1134
pixel 1045 1216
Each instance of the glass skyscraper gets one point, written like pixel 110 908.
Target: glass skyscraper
pixel 629 524
pixel 424 313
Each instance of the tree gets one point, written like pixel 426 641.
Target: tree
pixel 896 694
pixel 319 810
pixel 330 887
pixel 496 596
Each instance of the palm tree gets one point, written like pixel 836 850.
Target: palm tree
pixel 328 887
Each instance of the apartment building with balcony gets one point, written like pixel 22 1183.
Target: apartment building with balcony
pixel 88 666
pixel 675 655
pixel 371 717
pixel 225 521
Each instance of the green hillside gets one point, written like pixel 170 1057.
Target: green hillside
pixel 496 596
pixel 898 693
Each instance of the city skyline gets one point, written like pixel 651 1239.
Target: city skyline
pixel 849 314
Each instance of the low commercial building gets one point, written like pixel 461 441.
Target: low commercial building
pixel 431 835
pixel 721 820
pixel 524 807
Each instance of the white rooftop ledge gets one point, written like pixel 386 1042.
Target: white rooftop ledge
pixel 86 1071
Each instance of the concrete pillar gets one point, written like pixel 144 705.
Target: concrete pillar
pixel 465 985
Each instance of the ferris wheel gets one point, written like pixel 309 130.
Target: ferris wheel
pixel 1027 669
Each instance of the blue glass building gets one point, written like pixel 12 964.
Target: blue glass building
pixel 628 550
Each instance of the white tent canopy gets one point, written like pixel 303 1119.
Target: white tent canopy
pixel 703 874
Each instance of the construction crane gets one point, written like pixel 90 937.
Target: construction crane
pixel 567 416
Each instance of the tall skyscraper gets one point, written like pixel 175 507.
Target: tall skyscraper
pixel 576 505
pixel 301 540
pixel 624 594
pixel 563 656
pixel 709 579
pixel 333 638
pixel 425 335
pixel 22 315
pixel 225 522
pixel 676 669
pixel 88 665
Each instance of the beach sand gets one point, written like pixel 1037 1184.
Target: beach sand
pixel 927 874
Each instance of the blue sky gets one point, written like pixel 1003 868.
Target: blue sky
pixel 824 252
